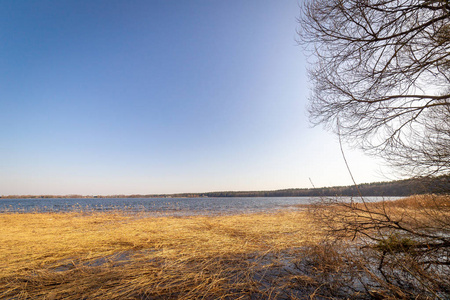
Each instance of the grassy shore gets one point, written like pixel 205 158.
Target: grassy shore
pixel 130 256
pixel 282 255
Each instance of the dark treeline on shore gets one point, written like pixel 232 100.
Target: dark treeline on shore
pixel 407 187
pixel 436 185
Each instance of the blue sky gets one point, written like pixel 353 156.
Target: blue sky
pixel 106 97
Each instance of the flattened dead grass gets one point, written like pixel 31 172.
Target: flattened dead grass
pixel 132 256
pixel 115 255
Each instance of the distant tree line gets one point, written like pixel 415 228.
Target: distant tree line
pixel 435 185
pixel 407 187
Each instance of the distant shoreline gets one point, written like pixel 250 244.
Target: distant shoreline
pixel 407 187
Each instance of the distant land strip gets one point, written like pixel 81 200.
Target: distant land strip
pixel 407 187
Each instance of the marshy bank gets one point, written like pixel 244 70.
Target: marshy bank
pixel 128 256
pixel 282 255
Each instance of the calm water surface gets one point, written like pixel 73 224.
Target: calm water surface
pixel 165 206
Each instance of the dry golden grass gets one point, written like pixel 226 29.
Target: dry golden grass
pixel 428 209
pixel 422 201
pixel 115 255
pixel 125 256
pixel 397 249
pixel 418 211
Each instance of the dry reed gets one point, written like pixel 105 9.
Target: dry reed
pixel 120 256
pixel 115 255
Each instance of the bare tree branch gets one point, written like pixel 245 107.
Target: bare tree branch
pixel 382 67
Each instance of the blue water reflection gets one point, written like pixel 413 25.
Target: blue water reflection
pixel 166 206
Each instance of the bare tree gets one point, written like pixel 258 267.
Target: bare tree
pixel 399 248
pixel 380 71
pixel 381 77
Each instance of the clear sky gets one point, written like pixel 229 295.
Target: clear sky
pixel 107 97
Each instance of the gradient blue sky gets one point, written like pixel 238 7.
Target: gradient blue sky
pixel 106 97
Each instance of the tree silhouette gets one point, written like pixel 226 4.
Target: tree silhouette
pixel 380 71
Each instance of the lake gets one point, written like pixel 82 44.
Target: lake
pixel 160 206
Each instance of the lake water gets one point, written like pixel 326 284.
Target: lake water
pixel 157 206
